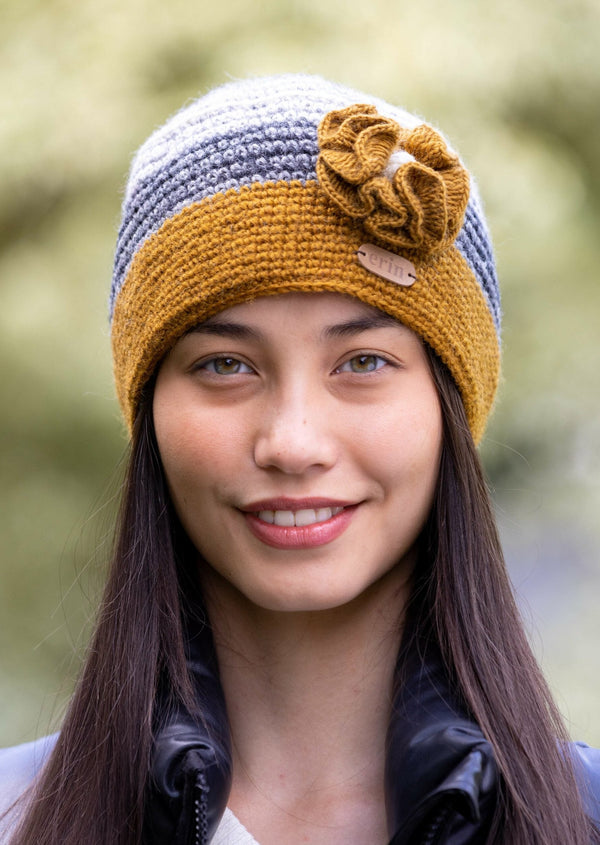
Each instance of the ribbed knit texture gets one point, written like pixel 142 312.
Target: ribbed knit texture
pixel 271 185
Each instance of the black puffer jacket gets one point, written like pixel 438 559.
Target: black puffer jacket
pixel 441 776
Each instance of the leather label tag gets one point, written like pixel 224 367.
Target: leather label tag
pixel 386 264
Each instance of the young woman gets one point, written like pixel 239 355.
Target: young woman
pixel 308 633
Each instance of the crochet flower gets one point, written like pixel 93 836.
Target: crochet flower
pixel 419 205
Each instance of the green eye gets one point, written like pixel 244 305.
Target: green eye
pixel 363 364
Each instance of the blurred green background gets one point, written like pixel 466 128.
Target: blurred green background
pixel 515 85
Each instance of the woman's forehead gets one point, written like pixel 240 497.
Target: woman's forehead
pixel 336 307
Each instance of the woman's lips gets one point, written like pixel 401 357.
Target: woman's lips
pixel 305 525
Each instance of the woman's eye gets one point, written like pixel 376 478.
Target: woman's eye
pixel 362 364
pixel 226 366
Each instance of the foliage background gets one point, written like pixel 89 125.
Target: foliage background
pixel 515 85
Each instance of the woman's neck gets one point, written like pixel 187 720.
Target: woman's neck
pixel 308 697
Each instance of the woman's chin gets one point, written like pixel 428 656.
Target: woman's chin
pixel 314 595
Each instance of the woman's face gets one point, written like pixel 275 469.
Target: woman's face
pixel 300 436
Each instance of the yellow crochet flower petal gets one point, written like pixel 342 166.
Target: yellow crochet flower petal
pixel 355 144
pixel 421 207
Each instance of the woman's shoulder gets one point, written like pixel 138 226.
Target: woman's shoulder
pixel 19 765
pixel 587 771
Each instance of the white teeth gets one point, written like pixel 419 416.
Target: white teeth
pixel 284 518
pixel 309 517
pixel 306 516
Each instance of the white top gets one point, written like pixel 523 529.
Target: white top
pixel 232 832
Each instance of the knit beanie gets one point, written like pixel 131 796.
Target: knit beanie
pixel 293 183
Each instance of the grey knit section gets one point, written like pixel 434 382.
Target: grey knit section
pixel 473 241
pixel 256 131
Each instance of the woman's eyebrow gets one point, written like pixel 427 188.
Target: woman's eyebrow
pixel 244 332
pixel 228 329
pixel 360 324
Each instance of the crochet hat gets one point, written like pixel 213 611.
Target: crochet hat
pixel 294 183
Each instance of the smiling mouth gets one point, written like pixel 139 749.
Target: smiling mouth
pixel 295 525
pixel 299 518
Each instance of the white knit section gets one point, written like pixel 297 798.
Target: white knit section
pixel 396 160
pixel 232 832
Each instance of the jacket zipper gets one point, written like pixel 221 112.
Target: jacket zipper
pixel 436 827
pixel 201 790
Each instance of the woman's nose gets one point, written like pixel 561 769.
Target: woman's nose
pixel 295 435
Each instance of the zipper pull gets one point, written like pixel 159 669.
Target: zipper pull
pixel 200 827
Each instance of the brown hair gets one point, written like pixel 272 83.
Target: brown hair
pixel 92 789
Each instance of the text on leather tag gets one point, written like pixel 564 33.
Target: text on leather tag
pixel 386 264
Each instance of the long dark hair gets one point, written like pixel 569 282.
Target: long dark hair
pixel 92 788
pixel 482 640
